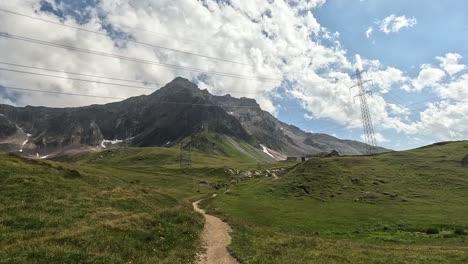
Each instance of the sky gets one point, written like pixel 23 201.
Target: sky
pixel 297 58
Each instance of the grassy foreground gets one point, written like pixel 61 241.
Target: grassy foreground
pixel 133 206
pixel 402 207
pixel 121 206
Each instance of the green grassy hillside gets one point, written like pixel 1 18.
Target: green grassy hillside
pixel 132 205
pixel 118 206
pixel 401 207
pixel 223 145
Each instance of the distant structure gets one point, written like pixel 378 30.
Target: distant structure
pixel 369 133
pixel 186 148
pixel 186 155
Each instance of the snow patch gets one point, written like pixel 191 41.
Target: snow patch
pixel 24 143
pixel 265 150
pixel 112 142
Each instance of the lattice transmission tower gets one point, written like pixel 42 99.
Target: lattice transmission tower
pixel 367 125
pixel 186 147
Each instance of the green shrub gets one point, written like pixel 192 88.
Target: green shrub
pixel 432 231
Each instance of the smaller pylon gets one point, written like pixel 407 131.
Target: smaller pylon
pixel 186 154
pixel 186 148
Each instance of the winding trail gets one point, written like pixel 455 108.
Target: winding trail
pixel 215 238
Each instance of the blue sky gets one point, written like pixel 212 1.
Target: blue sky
pixel 442 27
pixel 414 52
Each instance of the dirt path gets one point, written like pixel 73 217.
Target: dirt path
pixel 216 238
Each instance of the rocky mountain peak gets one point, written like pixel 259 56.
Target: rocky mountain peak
pixel 181 86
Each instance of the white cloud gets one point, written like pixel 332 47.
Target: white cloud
pixel 428 77
pixel 378 137
pixel 274 36
pixel 393 23
pixel 450 63
pixel 369 32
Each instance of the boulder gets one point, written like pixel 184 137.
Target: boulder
pixel 464 161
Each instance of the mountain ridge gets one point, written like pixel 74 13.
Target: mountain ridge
pixel 174 112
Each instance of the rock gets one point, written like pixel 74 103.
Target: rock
pixel 72 174
pixel 464 161
pixel 248 174
pixel 233 182
pixel 7 128
pixel 355 181
pixel 204 182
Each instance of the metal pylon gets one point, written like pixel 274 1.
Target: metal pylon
pixel 369 134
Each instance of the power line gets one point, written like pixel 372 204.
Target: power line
pixel 75 79
pixel 62 93
pixel 116 56
pixel 118 84
pixel 80 74
pixel 121 98
pixel 125 39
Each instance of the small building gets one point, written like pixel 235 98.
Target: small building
pixel 291 159
pixel 333 153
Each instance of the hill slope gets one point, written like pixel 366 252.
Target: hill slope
pixel 163 118
pixel 129 205
pixel 400 207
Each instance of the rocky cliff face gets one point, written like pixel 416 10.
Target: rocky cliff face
pixel 163 118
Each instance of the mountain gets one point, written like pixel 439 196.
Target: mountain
pixel 164 118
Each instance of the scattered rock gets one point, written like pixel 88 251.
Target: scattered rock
pixel 72 174
pixel 305 188
pixel 464 161
pixel 355 181
pixel 205 182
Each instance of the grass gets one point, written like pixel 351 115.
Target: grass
pixel 133 205
pixel 120 206
pixel 401 207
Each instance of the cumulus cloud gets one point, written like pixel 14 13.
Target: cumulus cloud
pixel 428 77
pixel 393 23
pixel 378 137
pixel 281 40
pixel 450 64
